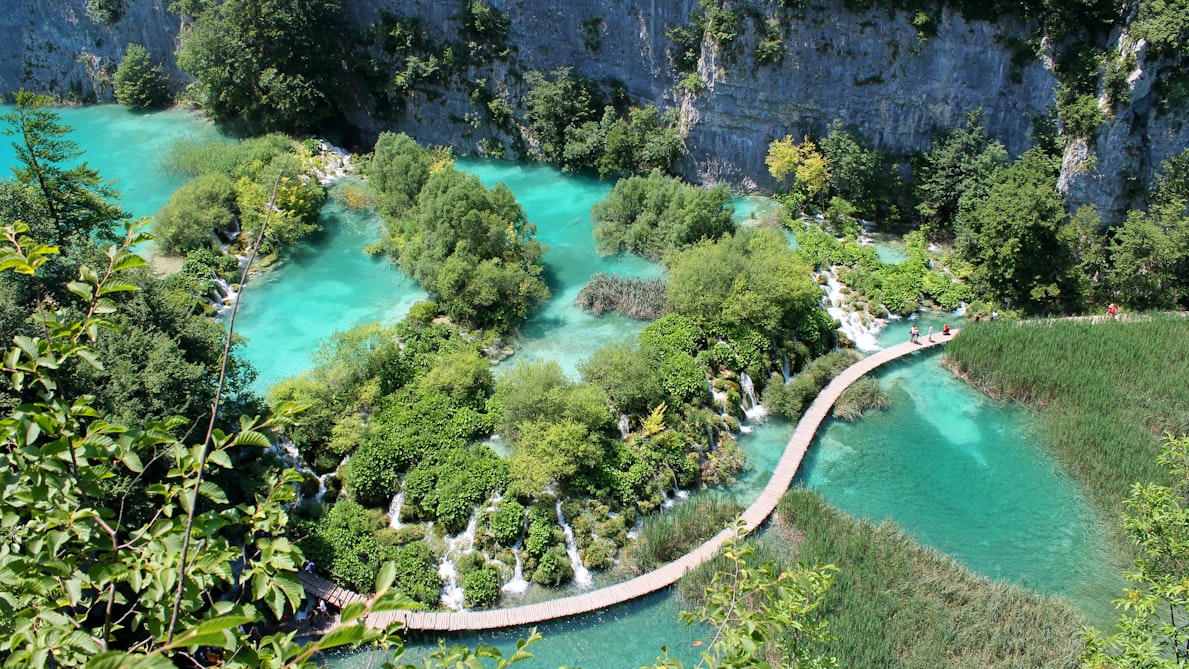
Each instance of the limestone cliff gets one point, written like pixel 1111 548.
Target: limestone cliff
pixel 875 71
pixel 54 47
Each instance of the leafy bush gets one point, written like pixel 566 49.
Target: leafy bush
pixel 481 587
pixel 417 574
pixel 194 213
pixel 138 82
pixel 507 522
pixel 554 567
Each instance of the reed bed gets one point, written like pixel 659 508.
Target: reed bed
pixel 1106 391
pixel 667 536
pixel 861 396
pixel 642 299
pixel 899 604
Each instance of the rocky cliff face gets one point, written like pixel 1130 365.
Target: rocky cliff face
pixel 874 71
pixel 54 47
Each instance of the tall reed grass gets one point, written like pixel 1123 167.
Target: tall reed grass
pixel 642 299
pixel 1106 391
pixel 667 536
pixel 898 604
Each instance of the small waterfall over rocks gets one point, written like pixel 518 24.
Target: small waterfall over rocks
pixel 398 501
pixel 582 575
pixel 516 585
pixel 859 327
pixel 225 296
pixel 452 594
pixel 625 426
pixel 754 411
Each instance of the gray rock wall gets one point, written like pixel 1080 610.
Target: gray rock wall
pixel 869 70
pixel 52 46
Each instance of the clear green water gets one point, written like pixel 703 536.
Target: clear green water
pixel 958 470
pixel 622 637
pixel 127 147
pixel 963 473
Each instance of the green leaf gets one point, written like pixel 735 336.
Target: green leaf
pixel 213 492
pixel 386 576
pixel 132 461
pixel 344 635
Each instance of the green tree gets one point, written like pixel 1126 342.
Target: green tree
pixel 656 215
pixel 195 213
pixel 857 174
pixel 1013 237
pixel 1152 629
pixel 76 200
pixel 555 102
pixel 473 250
pixel 955 174
pixel 397 170
pixel 262 65
pixel 139 83
pixel 1149 258
pixel 551 452
pixel 809 168
pixel 751 279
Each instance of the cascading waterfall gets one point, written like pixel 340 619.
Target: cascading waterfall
pixel 625 426
pixel 517 585
pixel 582 576
pixel 785 367
pixel 754 411
pixel 398 500
pixel 851 324
pixel 452 594
pixel 225 296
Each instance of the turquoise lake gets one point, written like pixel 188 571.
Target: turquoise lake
pixel 961 472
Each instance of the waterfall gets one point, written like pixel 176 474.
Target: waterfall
pixel 582 577
pixel 625 426
pixel 398 500
pixel 516 586
pixel 851 322
pixel 749 389
pixel 754 411
pixel 452 594
pixel 225 297
pixel 785 368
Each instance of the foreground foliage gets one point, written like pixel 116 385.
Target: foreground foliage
pixel 1153 631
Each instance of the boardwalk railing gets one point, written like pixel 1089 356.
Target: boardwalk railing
pixel 662 577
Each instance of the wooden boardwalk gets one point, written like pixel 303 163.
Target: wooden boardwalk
pixel 662 577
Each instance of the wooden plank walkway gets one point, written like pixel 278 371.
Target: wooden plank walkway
pixel 662 577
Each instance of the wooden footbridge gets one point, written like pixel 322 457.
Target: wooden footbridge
pixel 662 577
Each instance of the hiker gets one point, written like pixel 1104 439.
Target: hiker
pixel 946 330
pixel 930 333
pixel 995 315
pixel 1112 311
pixel 978 317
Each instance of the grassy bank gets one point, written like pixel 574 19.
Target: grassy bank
pixel 898 604
pixel 1107 390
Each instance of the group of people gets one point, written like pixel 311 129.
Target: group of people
pixel 914 333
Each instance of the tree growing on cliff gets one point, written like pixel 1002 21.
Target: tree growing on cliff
pixel 1014 237
pixel 262 65
pixel 139 83
pixel 955 174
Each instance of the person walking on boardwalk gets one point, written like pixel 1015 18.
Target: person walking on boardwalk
pixel 930 333
pixel 946 330
pixel 1112 311
pixel 913 334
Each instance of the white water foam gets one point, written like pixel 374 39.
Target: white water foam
pixel 582 576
